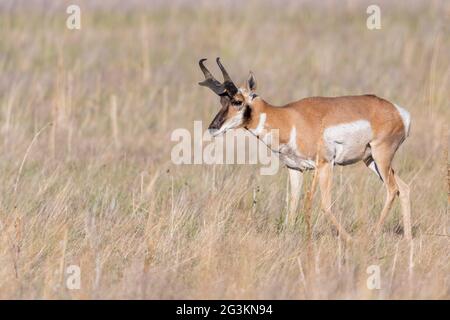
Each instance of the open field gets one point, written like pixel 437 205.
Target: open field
pixel 87 179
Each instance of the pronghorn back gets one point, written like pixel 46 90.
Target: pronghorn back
pixel 344 127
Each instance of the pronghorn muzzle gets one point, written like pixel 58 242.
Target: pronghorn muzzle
pixel 218 121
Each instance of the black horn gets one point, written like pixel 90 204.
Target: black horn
pixel 226 77
pixel 230 87
pixel 210 81
pixel 205 71
pixel 221 89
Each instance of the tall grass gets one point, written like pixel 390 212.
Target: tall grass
pixel 87 180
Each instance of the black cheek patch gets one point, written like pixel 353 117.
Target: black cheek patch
pixel 247 114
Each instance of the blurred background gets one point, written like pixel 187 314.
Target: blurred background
pixel 87 180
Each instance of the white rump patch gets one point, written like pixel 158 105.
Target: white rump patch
pixel 347 143
pixel 406 118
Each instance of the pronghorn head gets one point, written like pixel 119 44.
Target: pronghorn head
pixel 236 101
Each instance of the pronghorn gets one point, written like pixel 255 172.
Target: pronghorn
pixel 317 133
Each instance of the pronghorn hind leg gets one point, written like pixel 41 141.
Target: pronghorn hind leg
pixel 295 187
pixel 325 172
pixel 370 163
pixel 383 155
pixel 405 206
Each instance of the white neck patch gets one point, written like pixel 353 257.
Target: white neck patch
pixel 262 121
pixel 293 138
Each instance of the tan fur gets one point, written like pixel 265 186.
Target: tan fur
pixel 312 115
pixel 320 132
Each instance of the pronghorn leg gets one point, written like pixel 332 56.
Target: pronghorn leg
pixel 370 163
pixel 325 173
pixel 406 206
pixel 394 186
pixel 383 154
pixel 295 184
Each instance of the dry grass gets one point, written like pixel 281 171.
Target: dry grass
pixel 85 121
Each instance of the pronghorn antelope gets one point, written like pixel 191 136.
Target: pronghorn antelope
pixel 319 133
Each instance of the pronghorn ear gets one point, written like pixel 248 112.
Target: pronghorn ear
pixel 251 82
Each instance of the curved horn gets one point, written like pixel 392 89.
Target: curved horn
pixel 226 77
pixel 204 69
pixel 210 81
pixel 230 87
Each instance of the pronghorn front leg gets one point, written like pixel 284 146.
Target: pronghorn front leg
pixel 295 188
pixel 325 173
